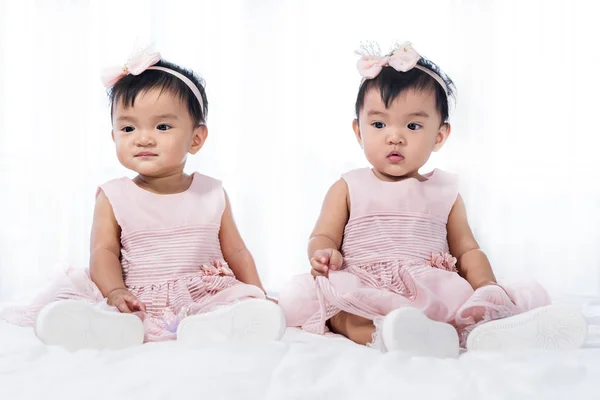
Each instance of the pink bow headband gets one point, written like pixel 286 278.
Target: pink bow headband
pixel 139 62
pixel 403 58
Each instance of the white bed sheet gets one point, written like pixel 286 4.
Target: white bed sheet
pixel 301 366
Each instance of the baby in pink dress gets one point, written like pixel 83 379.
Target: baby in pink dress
pixel 394 262
pixel 167 260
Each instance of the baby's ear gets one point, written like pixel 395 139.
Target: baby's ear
pixel 442 136
pixel 356 129
pixel 200 135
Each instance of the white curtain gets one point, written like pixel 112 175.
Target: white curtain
pixel 281 82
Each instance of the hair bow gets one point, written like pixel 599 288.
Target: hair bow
pixel 402 58
pixel 138 62
pixel 141 61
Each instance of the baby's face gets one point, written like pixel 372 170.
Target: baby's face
pixel 398 140
pixel 155 135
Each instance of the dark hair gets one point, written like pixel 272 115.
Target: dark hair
pixel 392 83
pixel 130 86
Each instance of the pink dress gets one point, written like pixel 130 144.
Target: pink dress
pixel 170 255
pixel 395 252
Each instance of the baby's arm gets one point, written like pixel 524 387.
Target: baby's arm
pixel 326 238
pixel 473 264
pixel 105 266
pixel 234 250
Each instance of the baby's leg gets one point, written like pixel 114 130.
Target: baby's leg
pixel 549 327
pixel 79 324
pixel 72 284
pixel 491 320
pixel 405 329
pixel 358 329
pixel 249 321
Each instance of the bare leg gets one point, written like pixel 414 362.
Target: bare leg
pixel 404 329
pixel 358 329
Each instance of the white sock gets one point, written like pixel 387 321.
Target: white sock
pixel 407 329
pixel 550 327
pixel 79 324
pixel 251 320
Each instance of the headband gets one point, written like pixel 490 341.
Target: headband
pixel 141 61
pixel 402 58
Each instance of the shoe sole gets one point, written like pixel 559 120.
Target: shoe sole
pixel 250 321
pixel 551 327
pixel 409 330
pixel 76 325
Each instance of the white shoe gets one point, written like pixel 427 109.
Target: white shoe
pixel 551 327
pixel 77 324
pixel 251 320
pixel 408 329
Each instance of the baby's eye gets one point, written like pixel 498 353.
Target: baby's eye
pixel 163 127
pixel 378 125
pixel 413 126
pixel 127 129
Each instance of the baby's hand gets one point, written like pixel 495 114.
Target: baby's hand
pixel 324 261
pixel 124 301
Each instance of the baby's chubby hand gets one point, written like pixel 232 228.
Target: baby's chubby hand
pixel 125 301
pixel 326 260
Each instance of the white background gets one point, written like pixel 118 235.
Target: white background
pixel 281 82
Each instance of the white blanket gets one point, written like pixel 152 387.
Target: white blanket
pixel 301 366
